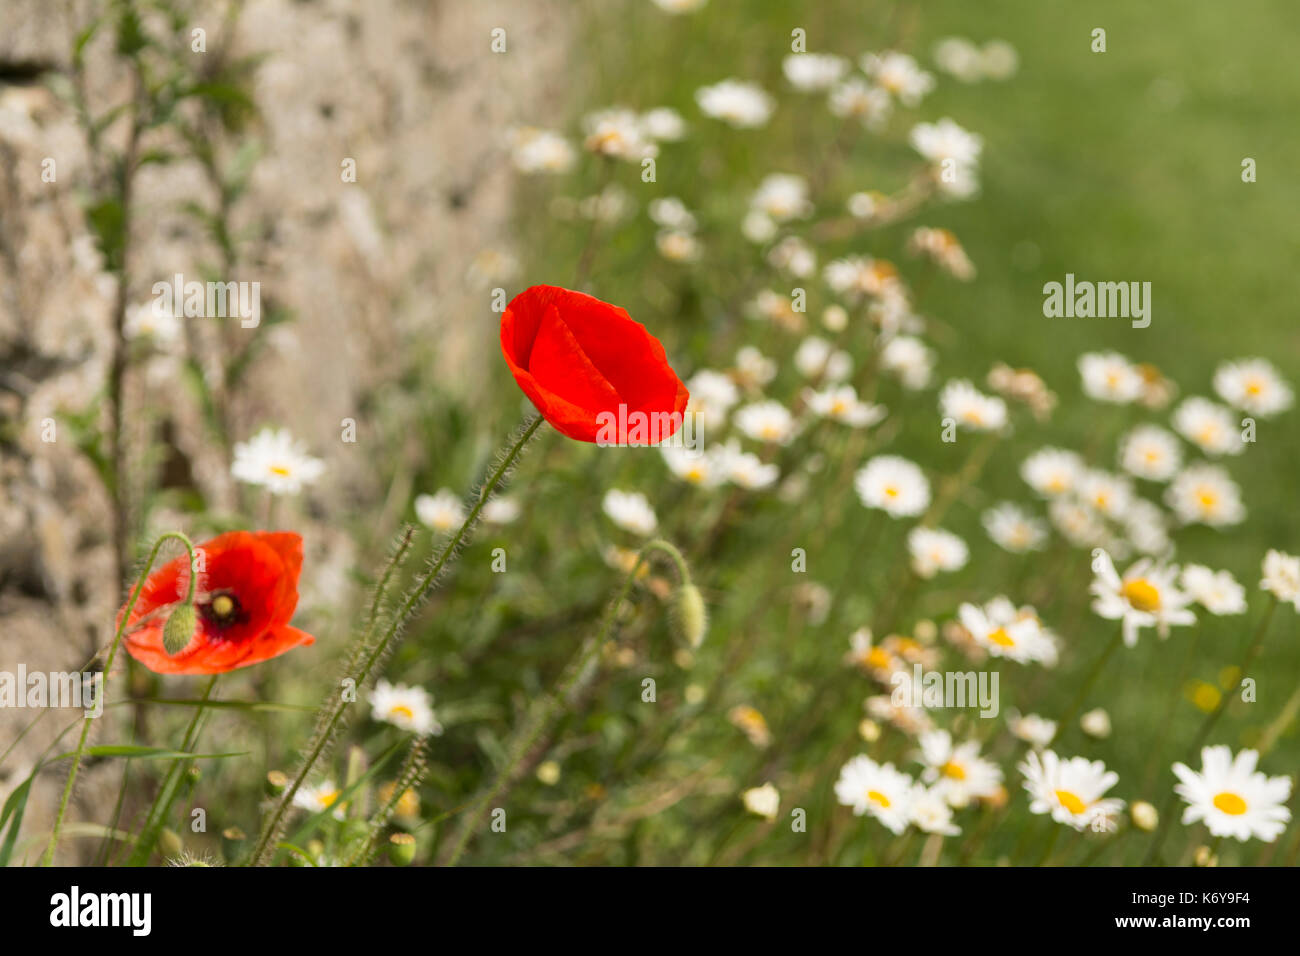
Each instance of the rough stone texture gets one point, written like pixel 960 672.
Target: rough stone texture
pixel 371 271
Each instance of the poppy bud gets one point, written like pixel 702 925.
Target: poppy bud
pixel 179 630
pixel 401 849
pixel 276 781
pixel 232 844
pixel 690 615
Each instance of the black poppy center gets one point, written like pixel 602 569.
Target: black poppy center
pixel 222 608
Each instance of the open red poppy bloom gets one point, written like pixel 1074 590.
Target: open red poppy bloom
pixel 244 599
pixel 593 371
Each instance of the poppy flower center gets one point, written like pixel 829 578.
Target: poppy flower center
pixel 1230 803
pixel 223 608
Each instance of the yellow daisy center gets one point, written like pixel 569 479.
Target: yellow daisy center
pixel 401 710
pixel 1208 499
pixel 1071 801
pixel 879 799
pixel 953 770
pixel 1142 594
pixel 891 492
pixel 1230 803
pixel 328 797
pixel 879 658
pixel 1001 638
pixel 1254 388
pixel 280 470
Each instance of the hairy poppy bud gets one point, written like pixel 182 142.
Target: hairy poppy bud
pixel 690 615
pixel 179 629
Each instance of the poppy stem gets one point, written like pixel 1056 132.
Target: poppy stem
pixel 533 731
pixel 333 710
pixel 48 857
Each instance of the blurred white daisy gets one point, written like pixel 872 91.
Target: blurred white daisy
pixel 1072 791
pixel 930 812
pixel 1033 729
pixel 942 247
pixel 971 408
pixel 1232 798
pixel 617 133
pixel 1095 723
pixel 1052 472
pixel 443 511
pixel 1145 597
pixel 1204 494
pixel 1110 377
pixel 671 213
pixel 1282 577
pixel 856 276
pixel 957 772
pixel 1003 630
pixel 702 469
pixel 766 421
pixel 712 396
pixel 946 140
pixel 782 197
pixel 408 708
pixel 795 256
pixel 746 470
pixel 678 245
pixel 1014 529
pixel 758 227
pixel 841 403
pixel 1146 528
pixel 541 151
pixel 854 98
pixel 934 550
pixel 742 105
pixel 679 6
pixel 1110 495
pixel 960 58
pixel 754 368
pixel 817 358
pixel 274 460
pixel 320 798
pixel 1077 523
pixel 880 791
pixel 1216 591
pixel 147 321
pixel 909 359
pixel 999 60
pixel 898 74
pixel 1209 426
pixel 893 484
pixel 762 801
pixel 1150 452
pixel 500 510
pixel 813 72
pixel 1253 385
pixel 664 124
pixel 630 510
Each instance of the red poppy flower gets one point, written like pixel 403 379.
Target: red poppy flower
pixel 244 600
pixel 593 371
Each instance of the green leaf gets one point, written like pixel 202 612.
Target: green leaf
pixel 132 751
pixel 14 808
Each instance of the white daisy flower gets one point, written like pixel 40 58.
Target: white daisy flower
pixel 678 245
pixel 671 213
pixel 946 140
pixel 794 256
pixel 502 509
pixel 1216 591
pixel 1110 377
pixel 319 798
pixel 971 408
pixel 1013 529
pixel 813 72
pixel 1209 426
pixel 1052 472
pixel 1035 730
pixel 1003 630
pixel 931 813
pixel 758 227
pixel 443 512
pixel 999 60
pixel 865 205
pixel 1145 597
pixel 1072 791
pixel 893 484
pixel 764 801
pixel 960 58
pixel 1232 798
pixel 899 74
pixel 880 791
pixel 1150 452
pixel 753 367
pixel 835 318
pixel 1077 523
pixel 663 124
pixel 618 134
pixel 273 459
pixel 148 321
pixel 942 247
pixel 957 772
pixel 746 470
pixel 856 276
pixel 704 470
pixel 1253 385
pixel 1146 528
pixel 909 359
pixel 408 708
pixel 841 403
pixel 541 151
pixel 766 421
pixel 1204 494
pixel 817 358
pixel 855 98
pixel 782 197
pixel 1109 495
pixel 934 550
pixel 1095 723
pixel 631 511
pixel 1282 577
pixel 713 395
pixel 742 105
